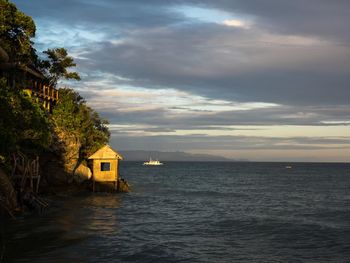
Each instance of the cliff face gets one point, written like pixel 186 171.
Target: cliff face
pixel 59 163
pixel 57 169
pixel 71 148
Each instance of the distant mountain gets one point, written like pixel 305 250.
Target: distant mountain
pixel 172 156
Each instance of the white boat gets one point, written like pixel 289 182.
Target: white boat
pixel 152 162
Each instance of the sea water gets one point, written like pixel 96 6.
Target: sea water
pixel 195 212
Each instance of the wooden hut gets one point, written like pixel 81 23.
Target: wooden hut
pixel 105 164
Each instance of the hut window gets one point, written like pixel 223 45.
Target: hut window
pixel 105 166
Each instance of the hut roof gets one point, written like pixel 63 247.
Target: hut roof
pixel 106 152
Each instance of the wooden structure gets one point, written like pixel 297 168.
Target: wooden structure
pixel 46 95
pixel 26 172
pixel 105 163
pixel 26 78
pixel 26 178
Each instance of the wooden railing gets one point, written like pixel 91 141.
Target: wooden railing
pixel 21 76
pixel 49 96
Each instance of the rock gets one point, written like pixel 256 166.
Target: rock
pixel 82 173
pixel 59 163
pixel 70 146
pixel 8 195
pixel 53 172
pixel 123 186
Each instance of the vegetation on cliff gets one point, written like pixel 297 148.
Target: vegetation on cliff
pixel 73 116
pixel 24 125
pixel 72 128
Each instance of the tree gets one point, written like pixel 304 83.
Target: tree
pixel 73 116
pixel 16 31
pixel 56 66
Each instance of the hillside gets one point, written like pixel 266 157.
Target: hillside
pixel 172 156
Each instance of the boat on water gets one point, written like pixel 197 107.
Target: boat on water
pixel 152 162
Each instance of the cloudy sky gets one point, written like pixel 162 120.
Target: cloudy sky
pixel 256 79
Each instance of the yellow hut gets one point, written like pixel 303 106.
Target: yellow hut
pixel 105 164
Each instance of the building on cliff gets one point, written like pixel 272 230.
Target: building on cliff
pixel 26 78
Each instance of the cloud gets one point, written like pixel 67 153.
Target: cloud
pixel 203 142
pixel 124 13
pixel 280 59
pixel 217 62
pixel 235 23
pixel 323 18
pixel 167 70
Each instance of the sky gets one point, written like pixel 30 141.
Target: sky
pixel 263 80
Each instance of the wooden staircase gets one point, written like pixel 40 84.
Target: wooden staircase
pixel 26 172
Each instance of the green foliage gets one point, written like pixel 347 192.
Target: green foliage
pixel 65 114
pixel 56 66
pixel 72 115
pixel 23 124
pixel 16 31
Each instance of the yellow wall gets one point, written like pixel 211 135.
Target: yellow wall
pixel 105 176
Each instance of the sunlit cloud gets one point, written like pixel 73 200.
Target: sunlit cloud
pixel 129 99
pixel 235 23
pixel 211 15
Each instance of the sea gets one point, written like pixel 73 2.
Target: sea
pixel 195 212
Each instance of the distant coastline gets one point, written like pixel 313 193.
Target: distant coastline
pixel 139 155
pixel 177 156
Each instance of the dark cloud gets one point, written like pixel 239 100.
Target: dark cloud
pixel 219 62
pixel 102 14
pixel 294 116
pixel 321 18
pixel 314 17
pixel 203 142
pixel 157 50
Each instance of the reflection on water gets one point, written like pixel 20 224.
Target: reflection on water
pixel 71 220
pixel 102 200
pixel 101 219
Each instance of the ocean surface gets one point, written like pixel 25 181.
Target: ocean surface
pixel 195 212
